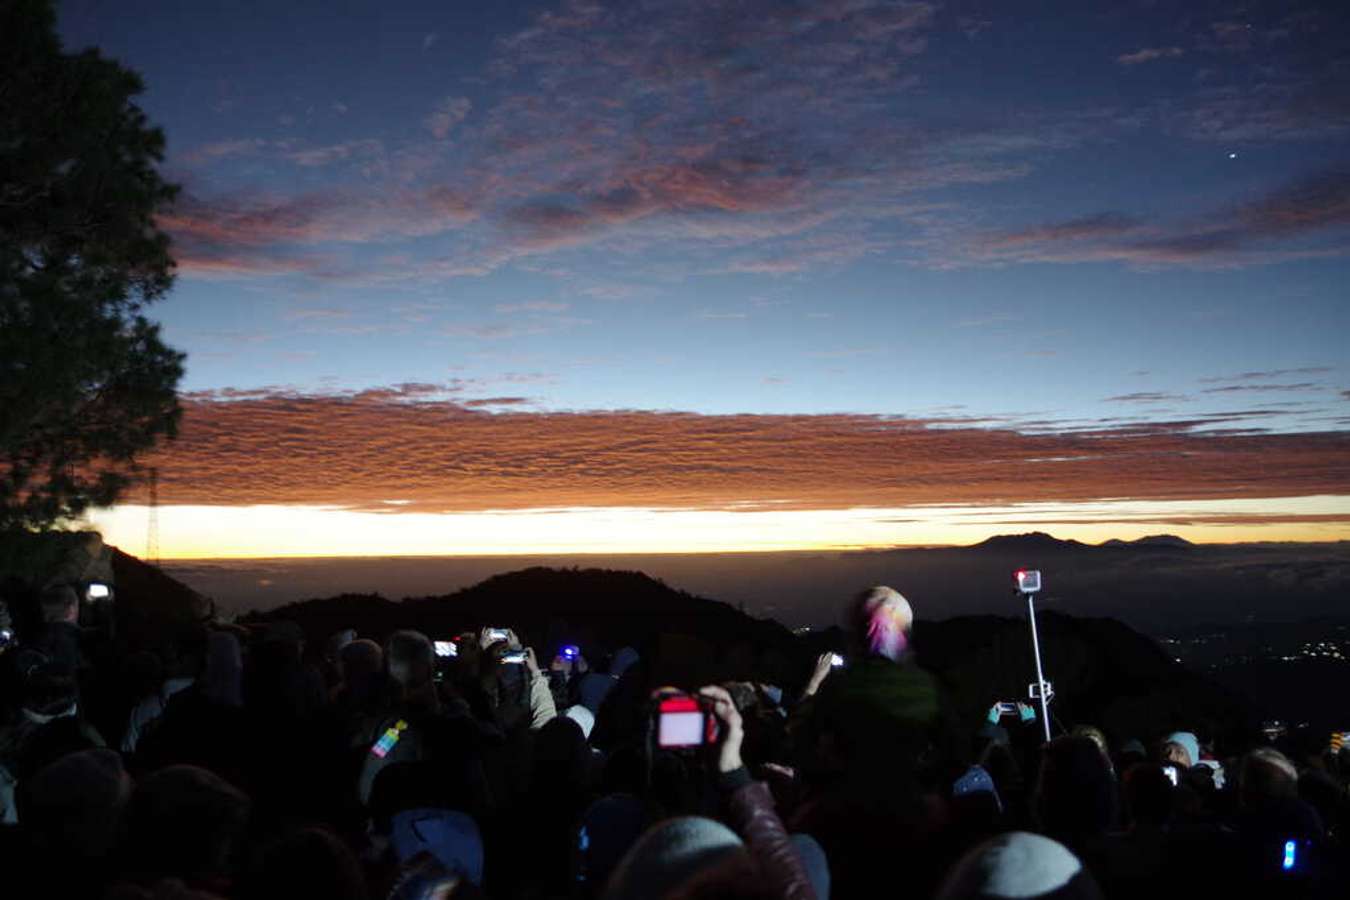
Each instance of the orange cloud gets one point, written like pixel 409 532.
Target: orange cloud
pixel 358 451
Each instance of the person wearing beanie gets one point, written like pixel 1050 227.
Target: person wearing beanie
pixel 670 854
pixel 1019 866
pixel 1189 743
pixel 583 717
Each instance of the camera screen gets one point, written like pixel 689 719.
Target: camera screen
pixel 680 729
pixel 446 648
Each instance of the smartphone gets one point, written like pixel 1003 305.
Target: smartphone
pixel 515 658
pixel 498 634
pixel 1007 708
pixel 1028 580
pixel 836 660
pixel 446 648
pixel 6 638
pixel 1171 773
pixel 97 592
pixel 570 651
pixel 1290 858
pixel 683 722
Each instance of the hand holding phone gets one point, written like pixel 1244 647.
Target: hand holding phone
pixel 733 729
pixel 824 665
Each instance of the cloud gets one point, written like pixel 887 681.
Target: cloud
pixel 1144 397
pixel 1106 224
pixel 1313 209
pixel 416 441
pixel 446 115
pixel 327 155
pixel 261 235
pixel 1268 373
pixel 1245 388
pixel 1149 54
pixel 544 306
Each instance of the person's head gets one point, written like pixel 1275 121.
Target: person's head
pixel 74 805
pixel 48 686
pixel 1175 754
pixel 1267 777
pixel 449 835
pixel 186 822
pixel 332 650
pixel 1149 795
pixel 583 717
pixel 1019 865
pixel 411 658
pixel 673 854
pixel 1075 793
pixel 310 862
pixel 1096 736
pixel 186 653
pixel 60 603
pixel 608 828
pixel 221 678
pixel 361 658
pixel 881 620
pixel 1190 744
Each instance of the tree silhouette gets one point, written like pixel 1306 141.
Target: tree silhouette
pixel 86 384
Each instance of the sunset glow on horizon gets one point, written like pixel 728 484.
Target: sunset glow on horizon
pixel 205 532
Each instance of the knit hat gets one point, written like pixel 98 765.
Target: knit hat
pixel 1018 866
pixel 449 835
pixel 583 717
pixel 977 781
pixel 1189 741
pixel 670 854
pixel 883 617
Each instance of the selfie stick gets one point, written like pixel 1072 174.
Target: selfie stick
pixel 1040 676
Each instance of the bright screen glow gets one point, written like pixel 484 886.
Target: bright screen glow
pixel 680 729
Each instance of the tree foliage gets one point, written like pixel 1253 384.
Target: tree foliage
pixel 86 384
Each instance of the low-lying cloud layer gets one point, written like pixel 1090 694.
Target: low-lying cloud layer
pixel 410 449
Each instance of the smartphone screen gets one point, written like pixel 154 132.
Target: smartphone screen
pixel 679 723
pixel 1171 773
pixel 446 648
pixel 97 592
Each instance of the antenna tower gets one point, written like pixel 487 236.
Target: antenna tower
pixel 152 531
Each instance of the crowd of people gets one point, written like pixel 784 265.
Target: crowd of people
pixel 242 762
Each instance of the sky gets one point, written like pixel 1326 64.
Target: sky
pixel 501 278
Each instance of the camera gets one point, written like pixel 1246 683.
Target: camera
pixel 446 649
pixel 683 721
pixel 1028 580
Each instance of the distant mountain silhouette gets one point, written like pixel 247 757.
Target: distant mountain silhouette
pixel 1161 541
pixel 1030 542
